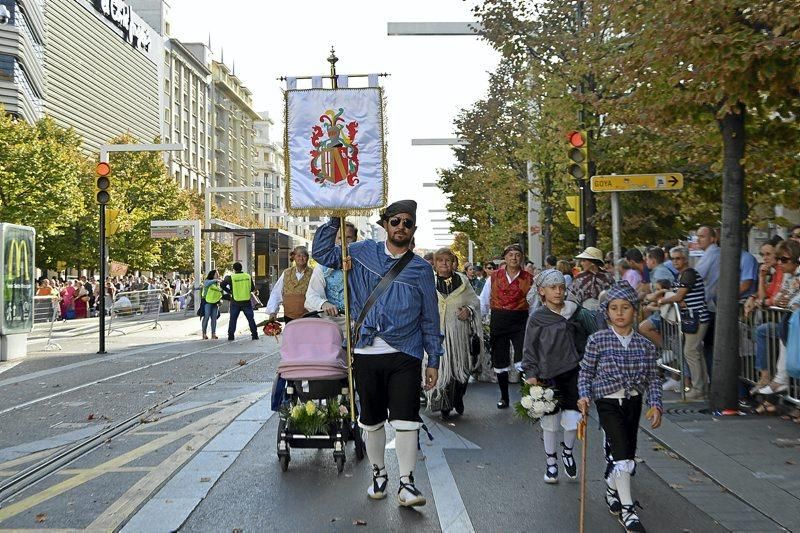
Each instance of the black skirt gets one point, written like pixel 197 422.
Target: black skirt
pixel 566 386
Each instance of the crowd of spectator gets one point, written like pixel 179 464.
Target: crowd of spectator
pixel 80 297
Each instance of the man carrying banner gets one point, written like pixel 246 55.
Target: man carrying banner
pixel 395 331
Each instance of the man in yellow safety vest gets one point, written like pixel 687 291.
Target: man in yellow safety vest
pixel 240 286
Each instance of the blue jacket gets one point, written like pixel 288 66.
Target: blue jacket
pixel 407 315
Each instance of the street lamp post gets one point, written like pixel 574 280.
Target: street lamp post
pixel 105 149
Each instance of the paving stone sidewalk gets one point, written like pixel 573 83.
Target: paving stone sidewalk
pixel 743 471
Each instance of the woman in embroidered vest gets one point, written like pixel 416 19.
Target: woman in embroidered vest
pixel 459 316
pixel 507 294
pixel 290 289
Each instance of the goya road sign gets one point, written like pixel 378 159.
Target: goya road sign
pixel 671 181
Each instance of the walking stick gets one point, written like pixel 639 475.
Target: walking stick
pixel 584 443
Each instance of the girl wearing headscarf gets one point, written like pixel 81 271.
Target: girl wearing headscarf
pixel 618 368
pixel 555 338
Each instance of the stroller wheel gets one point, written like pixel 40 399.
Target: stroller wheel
pixel 339 462
pixel 358 441
pixel 284 459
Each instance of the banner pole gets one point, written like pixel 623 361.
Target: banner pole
pixel 332 59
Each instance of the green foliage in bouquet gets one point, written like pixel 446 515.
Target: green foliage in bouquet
pixel 312 419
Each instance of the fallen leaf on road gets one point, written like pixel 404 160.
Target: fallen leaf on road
pixel 348 475
pixel 359 522
pixel 676 486
pixel 189 448
pixel 90 417
pixel 242 362
pixel 205 479
pixel 237 530
pixel 790 462
pixel 41 517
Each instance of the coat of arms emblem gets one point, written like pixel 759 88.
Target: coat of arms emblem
pixel 334 158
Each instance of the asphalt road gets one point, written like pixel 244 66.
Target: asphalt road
pixel 207 461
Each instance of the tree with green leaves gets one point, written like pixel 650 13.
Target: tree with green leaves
pixel 735 62
pixel 41 172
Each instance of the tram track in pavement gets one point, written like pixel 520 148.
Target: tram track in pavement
pixel 61 458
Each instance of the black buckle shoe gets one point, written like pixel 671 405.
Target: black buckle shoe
pixel 551 473
pixel 570 468
pixel 629 520
pixel 612 499
pixel 377 491
pixel 408 495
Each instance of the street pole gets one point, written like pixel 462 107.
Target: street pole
pixel 332 59
pixel 616 223
pixel 207 225
pixel 102 302
pixel 470 250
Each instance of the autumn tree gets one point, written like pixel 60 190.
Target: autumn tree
pixel 736 62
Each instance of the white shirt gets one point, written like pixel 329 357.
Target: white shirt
pixel 276 294
pixel 486 293
pixel 315 294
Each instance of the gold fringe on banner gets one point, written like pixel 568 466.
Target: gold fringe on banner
pixel 333 211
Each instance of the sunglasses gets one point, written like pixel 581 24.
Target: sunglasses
pixel 407 222
pixel 784 259
pixel 488 267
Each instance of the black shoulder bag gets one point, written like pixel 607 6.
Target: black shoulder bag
pixel 378 291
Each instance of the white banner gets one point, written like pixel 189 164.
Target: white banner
pixel 335 150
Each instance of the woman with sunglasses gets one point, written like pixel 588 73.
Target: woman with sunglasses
pixel 787 255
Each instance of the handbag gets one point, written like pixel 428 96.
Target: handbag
pixel 474 341
pixel 690 321
pixel 255 302
pixel 378 291
pixel 201 309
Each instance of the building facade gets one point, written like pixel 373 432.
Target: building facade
pixel 22 73
pixel 234 133
pixel 187 116
pixel 103 71
pixel 268 169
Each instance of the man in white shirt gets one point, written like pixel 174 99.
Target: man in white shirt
pixel 325 291
pixel 290 289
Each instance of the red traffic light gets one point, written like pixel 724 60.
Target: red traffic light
pixel 103 169
pixel 576 139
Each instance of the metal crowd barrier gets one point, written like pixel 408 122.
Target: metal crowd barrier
pixel 766 324
pixel 672 344
pixel 132 307
pixel 46 312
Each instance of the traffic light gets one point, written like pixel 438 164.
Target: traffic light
pixel 574 216
pixel 578 155
pixel 102 184
pixel 112 226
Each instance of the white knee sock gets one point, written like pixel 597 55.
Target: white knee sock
pixel 376 446
pixel 623 482
pixel 405 443
pixel 611 482
pixel 569 438
pixel 550 438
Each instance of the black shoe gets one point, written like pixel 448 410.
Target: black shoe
pixel 612 499
pixel 445 414
pixel 629 520
pixel 377 491
pixel 551 473
pixel 458 403
pixel 255 338
pixel 502 404
pixel 570 468
pixel 230 338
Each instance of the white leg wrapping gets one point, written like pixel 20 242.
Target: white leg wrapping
pixel 405 425
pixel 406 448
pixel 622 479
pixel 501 370
pixel 550 422
pixel 375 441
pixel 570 419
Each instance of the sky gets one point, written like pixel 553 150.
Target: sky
pixel 431 78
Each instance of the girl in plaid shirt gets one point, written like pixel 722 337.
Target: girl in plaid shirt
pixel 618 368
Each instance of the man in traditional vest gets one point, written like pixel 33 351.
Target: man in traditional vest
pixel 507 294
pixel 326 289
pixel 240 286
pixel 291 287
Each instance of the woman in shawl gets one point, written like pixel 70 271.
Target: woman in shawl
pixel 459 315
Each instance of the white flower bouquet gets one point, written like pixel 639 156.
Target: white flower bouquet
pixel 536 402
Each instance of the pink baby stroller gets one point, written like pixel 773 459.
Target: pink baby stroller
pixel 314 367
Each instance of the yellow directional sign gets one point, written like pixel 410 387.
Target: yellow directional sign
pixel 671 181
